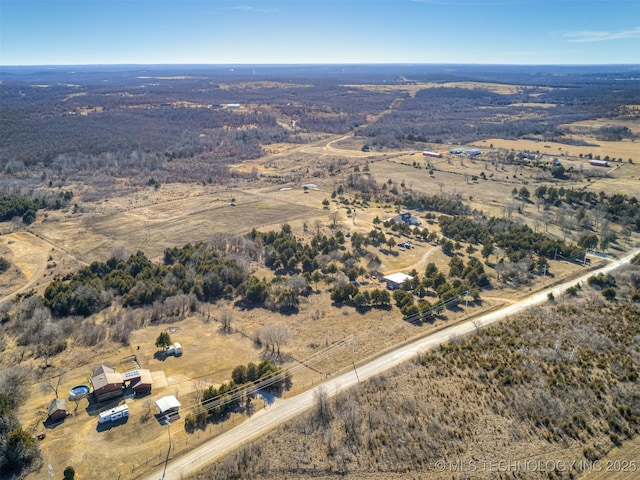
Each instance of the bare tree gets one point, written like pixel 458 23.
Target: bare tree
pixel 119 253
pixel 274 337
pixel 323 406
pixel 334 216
pixel 14 383
pixel 225 319
pixel 298 284
pixel 54 382
pixel 146 411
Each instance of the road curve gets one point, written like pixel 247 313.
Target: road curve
pixel 284 410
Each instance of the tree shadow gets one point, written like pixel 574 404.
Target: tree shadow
pixel 160 355
pixel 275 357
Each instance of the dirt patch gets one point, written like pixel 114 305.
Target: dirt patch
pixel 35 261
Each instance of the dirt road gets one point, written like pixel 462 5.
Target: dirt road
pixel 284 410
pixel 29 256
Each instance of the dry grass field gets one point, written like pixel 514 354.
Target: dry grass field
pixel 151 220
pixel 487 406
pixel 624 149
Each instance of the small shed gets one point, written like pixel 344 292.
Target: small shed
pixel 57 409
pixel 177 348
pixel 395 280
pixel 169 404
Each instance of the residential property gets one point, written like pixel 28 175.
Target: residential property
pixel 57 409
pixel 472 152
pixel 107 383
pixel 406 218
pixel 395 280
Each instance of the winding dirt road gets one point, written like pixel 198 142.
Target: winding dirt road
pixel 284 410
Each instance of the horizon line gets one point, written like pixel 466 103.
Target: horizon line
pixel 630 64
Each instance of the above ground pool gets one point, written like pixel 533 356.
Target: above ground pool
pixel 80 391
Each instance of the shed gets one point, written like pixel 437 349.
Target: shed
pixel 107 383
pixel 177 348
pixel 472 152
pixel 57 409
pixel 169 404
pixel 395 280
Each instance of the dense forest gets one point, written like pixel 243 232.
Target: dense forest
pixel 125 121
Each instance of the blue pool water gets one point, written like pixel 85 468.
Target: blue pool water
pixel 79 392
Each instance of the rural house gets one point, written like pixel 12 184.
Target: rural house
pixel 107 383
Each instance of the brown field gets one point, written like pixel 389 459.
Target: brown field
pixel 624 149
pixel 590 125
pixel 413 87
pixel 154 227
pixel 141 218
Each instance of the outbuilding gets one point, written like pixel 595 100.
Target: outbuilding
pixel 169 404
pixel 395 280
pixel 57 409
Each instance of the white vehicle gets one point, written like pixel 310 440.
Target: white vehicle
pixel 113 414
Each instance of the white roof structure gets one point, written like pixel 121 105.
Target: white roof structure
pixel 168 403
pixel 398 278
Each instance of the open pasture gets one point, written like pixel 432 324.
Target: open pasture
pixel 153 228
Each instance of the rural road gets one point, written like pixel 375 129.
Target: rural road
pixel 284 410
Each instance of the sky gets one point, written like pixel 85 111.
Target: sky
pixel 534 32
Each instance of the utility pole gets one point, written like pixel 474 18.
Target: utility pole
pixel 353 357
pixel 168 451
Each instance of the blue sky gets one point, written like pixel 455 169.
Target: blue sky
pixel 74 32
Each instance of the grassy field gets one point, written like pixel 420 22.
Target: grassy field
pixel 491 405
pixel 147 219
